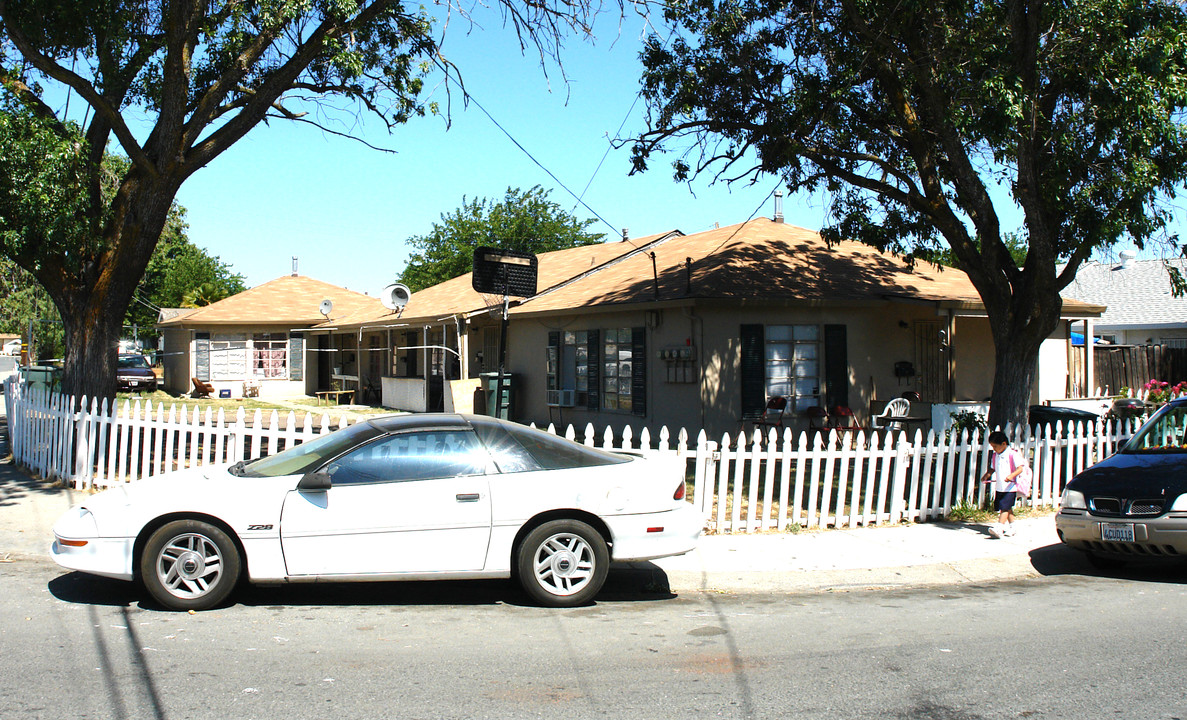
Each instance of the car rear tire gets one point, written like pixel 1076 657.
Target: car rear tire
pixel 563 563
pixel 190 565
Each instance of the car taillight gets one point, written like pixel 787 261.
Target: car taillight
pixel 679 494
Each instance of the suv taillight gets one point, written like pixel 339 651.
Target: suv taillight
pixel 679 494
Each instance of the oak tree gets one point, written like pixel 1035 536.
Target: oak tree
pixel 171 85
pixel 927 121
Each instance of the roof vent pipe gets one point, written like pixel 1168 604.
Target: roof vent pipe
pixel 778 206
pixel 1127 258
pixel 294 266
pixel 624 234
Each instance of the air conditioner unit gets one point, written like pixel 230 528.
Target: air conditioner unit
pixel 560 398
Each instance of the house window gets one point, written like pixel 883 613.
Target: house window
pixel 616 369
pixel 1174 342
pixel 270 355
pixel 568 369
pixel 599 369
pixel 228 357
pixel 793 364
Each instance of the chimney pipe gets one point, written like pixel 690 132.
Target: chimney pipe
pixel 778 206
pixel 625 234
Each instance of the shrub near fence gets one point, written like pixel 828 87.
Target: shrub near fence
pixel 743 483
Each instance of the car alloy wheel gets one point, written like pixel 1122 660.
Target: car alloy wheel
pixel 563 563
pixel 190 565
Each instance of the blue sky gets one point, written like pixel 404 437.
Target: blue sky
pixel 346 210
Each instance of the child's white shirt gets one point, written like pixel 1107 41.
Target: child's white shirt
pixel 1002 470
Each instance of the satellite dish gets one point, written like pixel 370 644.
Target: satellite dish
pixel 395 296
pixel 326 306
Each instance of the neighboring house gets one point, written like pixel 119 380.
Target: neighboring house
pixel 1141 309
pixel 699 331
pixel 254 342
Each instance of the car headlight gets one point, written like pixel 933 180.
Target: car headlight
pixel 1073 500
pixel 1180 504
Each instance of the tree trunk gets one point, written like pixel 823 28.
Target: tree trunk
pixel 92 346
pixel 1015 369
pixel 1019 327
pixel 94 302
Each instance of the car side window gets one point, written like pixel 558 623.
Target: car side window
pixel 516 448
pixel 1166 433
pixel 411 456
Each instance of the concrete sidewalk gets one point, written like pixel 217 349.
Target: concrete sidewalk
pixel 891 556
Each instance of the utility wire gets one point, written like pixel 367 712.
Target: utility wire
pixel 470 98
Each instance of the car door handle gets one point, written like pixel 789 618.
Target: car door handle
pixel 468 497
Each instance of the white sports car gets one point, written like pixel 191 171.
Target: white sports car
pixel 406 497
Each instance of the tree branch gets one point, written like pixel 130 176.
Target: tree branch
pixel 52 69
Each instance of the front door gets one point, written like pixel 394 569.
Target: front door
pixel 931 357
pixel 409 503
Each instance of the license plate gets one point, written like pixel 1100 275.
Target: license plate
pixel 1116 532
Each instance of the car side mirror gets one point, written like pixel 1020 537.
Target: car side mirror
pixel 314 481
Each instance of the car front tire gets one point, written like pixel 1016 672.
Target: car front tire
pixel 190 565
pixel 563 563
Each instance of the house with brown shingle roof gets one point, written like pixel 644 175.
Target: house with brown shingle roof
pixel 700 331
pixel 255 342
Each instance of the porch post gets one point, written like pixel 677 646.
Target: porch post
pixel 463 348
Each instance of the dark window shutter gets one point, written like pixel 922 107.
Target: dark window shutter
pixel 594 347
pixel 638 371
pixel 202 356
pixel 836 366
pixel 296 357
pixel 753 369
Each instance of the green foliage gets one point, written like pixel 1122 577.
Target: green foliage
pixel 25 306
pixel 912 117
pixel 43 187
pixel 522 221
pixel 968 511
pixel 969 420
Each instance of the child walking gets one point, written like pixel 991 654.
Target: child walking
pixel 1005 465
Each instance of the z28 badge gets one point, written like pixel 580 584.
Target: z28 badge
pixel 258 527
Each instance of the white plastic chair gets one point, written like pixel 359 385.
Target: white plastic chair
pixel 898 407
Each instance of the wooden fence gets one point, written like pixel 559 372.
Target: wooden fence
pixel 744 483
pixel 1131 366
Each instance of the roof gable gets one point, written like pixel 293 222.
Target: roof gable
pixel 760 259
pixel 1137 295
pixel 292 300
pixel 458 296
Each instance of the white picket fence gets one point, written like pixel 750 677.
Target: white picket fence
pixel 744 483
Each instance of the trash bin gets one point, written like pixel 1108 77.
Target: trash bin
pixel 40 376
pixel 490 383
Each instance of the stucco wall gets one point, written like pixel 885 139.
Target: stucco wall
pixel 180 363
pixel 877 337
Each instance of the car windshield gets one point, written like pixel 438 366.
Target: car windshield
pixel 1165 432
pixel 516 448
pixel 133 361
pixel 301 458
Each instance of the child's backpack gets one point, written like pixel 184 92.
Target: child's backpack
pixel 1023 478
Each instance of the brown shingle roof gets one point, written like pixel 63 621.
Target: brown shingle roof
pixel 759 259
pixel 292 299
pixel 457 296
